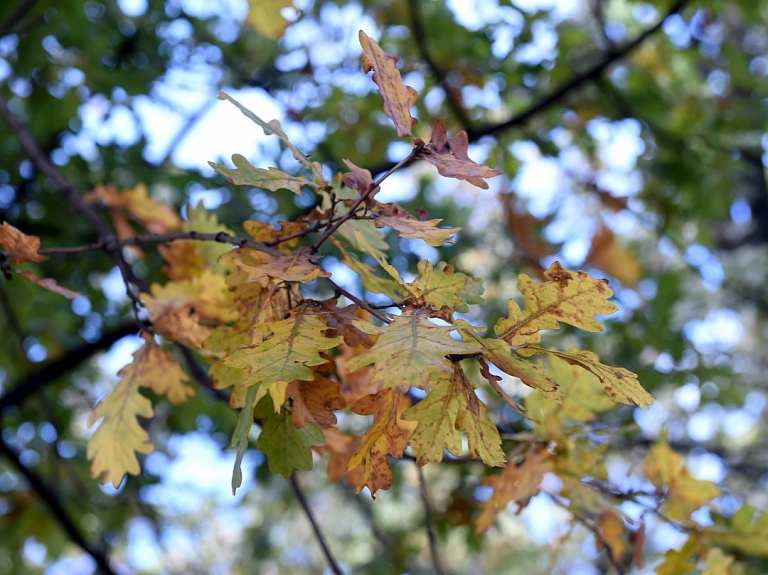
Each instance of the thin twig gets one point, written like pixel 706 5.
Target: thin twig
pixel 331 229
pixel 59 513
pixel 576 82
pixel 360 302
pixel 420 36
pixel 429 521
pixel 332 563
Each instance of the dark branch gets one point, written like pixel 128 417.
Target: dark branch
pixel 430 523
pixel 419 35
pixel 332 564
pixel 55 369
pixel 7 26
pixel 59 513
pixel 577 81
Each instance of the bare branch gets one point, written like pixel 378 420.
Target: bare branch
pixel 58 367
pixel 430 523
pixel 48 495
pixel 6 27
pixel 332 563
pixel 420 36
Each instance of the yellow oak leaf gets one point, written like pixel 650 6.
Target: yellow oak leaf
pixel 397 97
pixel 620 384
pixel 271 179
pixel 569 297
pixel 287 352
pixel 372 282
pixel 293 267
pixel 21 248
pixel 665 469
pixel 178 308
pixel 185 260
pixel 265 232
pixel 438 288
pixel 582 399
pixel 341 447
pixel 407 226
pixel 162 374
pixel 113 446
pixel 158 217
pixel 409 351
pixel 680 561
pixel 450 407
pixel 388 435
pixel 718 563
pixel 516 483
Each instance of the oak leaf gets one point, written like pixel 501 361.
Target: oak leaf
pixel 49 284
pixel 341 447
pixel 292 267
pixel 516 483
pixel 409 351
pixel 439 287
pixel 568 297
pixel 265 16
pixel 397 97
pixel 388 435
pixel 611 257
pixel 613 535
pixel 21 248
pixel 315 401
pixel 287 447
pixel 620 384
pixel 449 408
pixel 244 174
pixel 666 470
pixel 746 532
pixel 156 216
pixel 287 352
pixel 449 156
pixel 407 226
pixel 265 232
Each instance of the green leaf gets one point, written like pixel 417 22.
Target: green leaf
pixel 287 448
pixel 409 351
pixel 271 179
pixel 240 436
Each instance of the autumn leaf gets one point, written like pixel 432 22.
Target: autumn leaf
pixel 620 384
pixel 439 287
pixel 612 532
pixel 450 407
pixel 273 128
pixel 292 267
pixel 158 217
pixel 407 226
pixel 287 447
pixel 516 483
pixel 21 248
pixel 498 353
pixel 568 297
pixel 113 446
pixel 271 179
pixel 265 17
pixel 178 308
pixel 397 97
pixel 665 469
pixel 409 351
pixel 582 398
pixel 315 401
pixel 361 180
pixel 167 376
pixel 747 532
pixel 613 258
pixel 347 322
pixel 449 156
pixel 265 232
pixel 718 563
pixel 680 561
pixel 49 284
pixel 388 435
pixel 289 349
pixel 341 447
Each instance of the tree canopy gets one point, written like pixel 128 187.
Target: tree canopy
pixel 410 286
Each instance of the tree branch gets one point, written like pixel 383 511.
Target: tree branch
pixel 58 367
pixel 332 564
pixel 430 523
pixel 420 36
pixel 7 26
pixel 60 514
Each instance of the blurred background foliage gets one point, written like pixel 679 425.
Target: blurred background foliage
pixel 647 166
